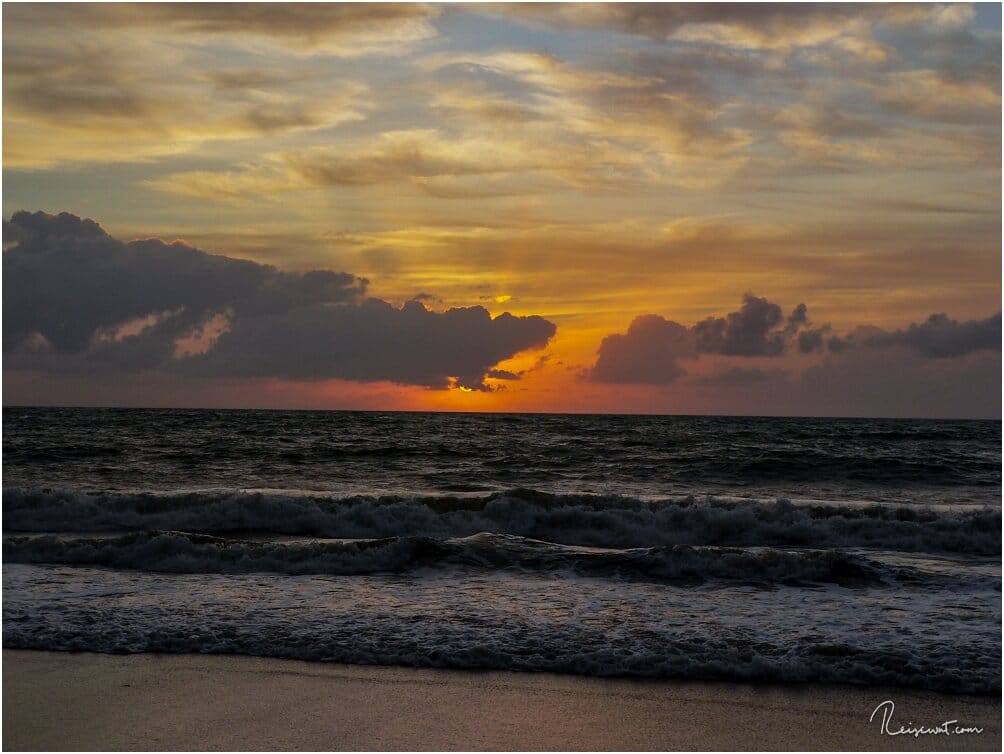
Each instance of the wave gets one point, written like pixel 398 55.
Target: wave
pixel 584 627
pixel 179 552
pixel 578 520
pixel 584 653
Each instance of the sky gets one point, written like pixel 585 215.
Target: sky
pixel 629 208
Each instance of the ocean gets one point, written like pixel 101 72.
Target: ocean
pixel 862 551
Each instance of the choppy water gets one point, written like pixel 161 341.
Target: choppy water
pixel 865 551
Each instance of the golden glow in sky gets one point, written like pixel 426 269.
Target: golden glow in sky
pixel 587 165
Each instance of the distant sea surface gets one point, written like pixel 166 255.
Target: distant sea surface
pixel 848 550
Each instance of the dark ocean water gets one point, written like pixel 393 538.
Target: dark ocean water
pixel 827 459
pixel 865 551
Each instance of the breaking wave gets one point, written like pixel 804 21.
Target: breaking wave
pixel 576 520
pixel 178 552
pixel 593 627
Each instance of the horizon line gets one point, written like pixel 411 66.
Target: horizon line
pixel 507 413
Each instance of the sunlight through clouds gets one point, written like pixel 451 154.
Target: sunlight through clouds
pixel 590 164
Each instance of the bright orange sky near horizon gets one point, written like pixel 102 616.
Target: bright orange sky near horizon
pixel 628 174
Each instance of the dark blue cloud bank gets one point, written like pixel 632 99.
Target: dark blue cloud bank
pixel 78 301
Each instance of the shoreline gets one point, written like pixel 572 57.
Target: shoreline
pixel 64 700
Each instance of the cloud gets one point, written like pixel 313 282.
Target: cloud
pixel 651 350
pixel 942 337
pixel 751 331
pixel 374 341
pixel 641 123
pixel 476 101
pixel 647 354
pixel 95 100
pixel 777 26
pixel 346 29
pixel 436 163
pixel 605 131
pixel 541 70
pixel 403 155
pixel 503 374
pixel 811 340
pixel 77 300
pixel 67 279
pixel 935 96
pixel 839 98
pixel 87 83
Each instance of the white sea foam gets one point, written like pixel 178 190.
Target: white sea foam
pixel 945 638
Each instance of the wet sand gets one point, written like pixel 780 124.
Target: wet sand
pixel 60 701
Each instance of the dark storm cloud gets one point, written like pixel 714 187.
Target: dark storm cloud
pixel 749 331
pixel 373 341
pixel 67 279
pixel 811 340
pixel 943 337
pixel 649 353
pixel 78 300
pixel 799 315
pixel 503 374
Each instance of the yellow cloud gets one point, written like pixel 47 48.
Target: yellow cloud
pixel 344 29
pixel 929 93
pixel 79 103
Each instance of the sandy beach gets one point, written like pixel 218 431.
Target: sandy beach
pixel 67 701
